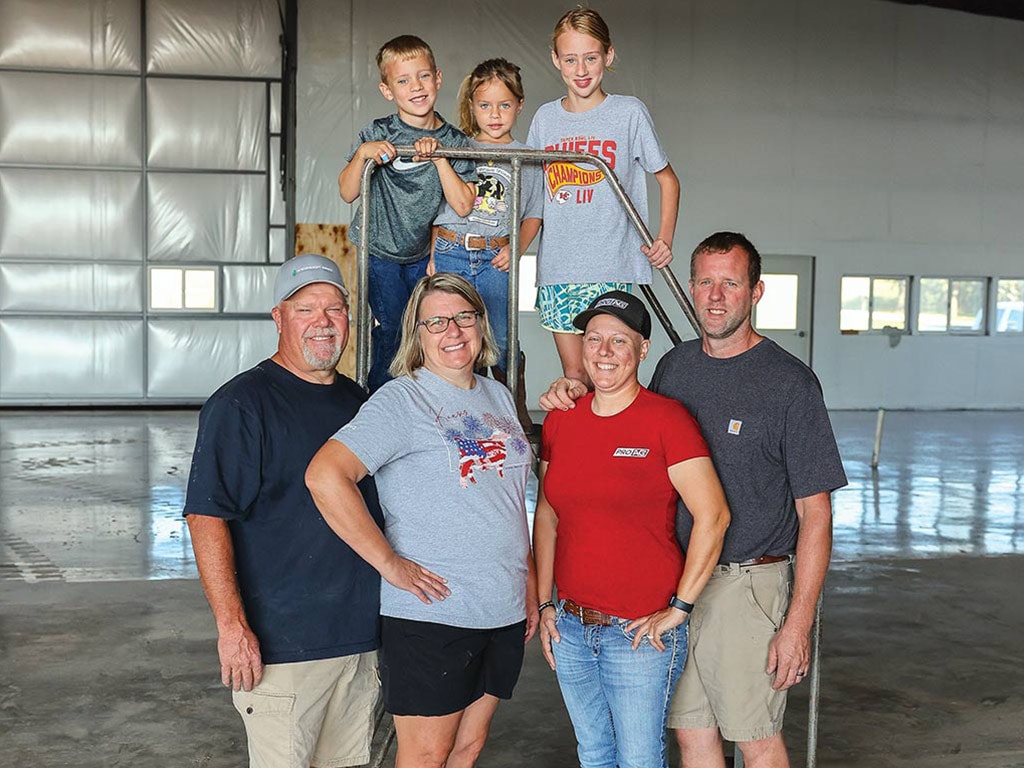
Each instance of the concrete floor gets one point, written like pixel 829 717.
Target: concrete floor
pixel 107 653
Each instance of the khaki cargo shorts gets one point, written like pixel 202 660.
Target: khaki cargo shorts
pixel 311 713
pixel 724 684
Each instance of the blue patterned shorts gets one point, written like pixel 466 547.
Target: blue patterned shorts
pixel 559 304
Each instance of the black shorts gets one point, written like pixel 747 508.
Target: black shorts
pixel 435 669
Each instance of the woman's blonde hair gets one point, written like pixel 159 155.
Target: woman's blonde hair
pixel 586 21
pixel 493 69
pixel 409 356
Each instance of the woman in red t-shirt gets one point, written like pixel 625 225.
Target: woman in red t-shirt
pixel 612 470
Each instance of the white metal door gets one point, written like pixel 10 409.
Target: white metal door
pixel 785 311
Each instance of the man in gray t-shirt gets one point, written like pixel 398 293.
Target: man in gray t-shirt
pixel 763 416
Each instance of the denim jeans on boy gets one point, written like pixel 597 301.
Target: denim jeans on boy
pixel 491 283
pixel 617 698
pixel 390 287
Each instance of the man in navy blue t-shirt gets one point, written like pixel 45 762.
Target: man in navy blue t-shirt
pixel 296 609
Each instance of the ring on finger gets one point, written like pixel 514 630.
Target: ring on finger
pixel 384 157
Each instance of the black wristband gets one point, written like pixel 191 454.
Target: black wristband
pixel 542 606
pixel 682 605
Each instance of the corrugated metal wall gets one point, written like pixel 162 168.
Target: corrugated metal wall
pixel 140 210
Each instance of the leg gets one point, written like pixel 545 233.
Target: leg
pixel 388 295
pixel 425 742
pixel 288 715
pixel 570 352
pixel 346 727
pixel 493 287
pixel 724 687
pixel 638 685
pixel 700 747
pixel 577 666
pixel 765 753
pixel 472 733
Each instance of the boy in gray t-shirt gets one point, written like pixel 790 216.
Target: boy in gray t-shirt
pixel 405 195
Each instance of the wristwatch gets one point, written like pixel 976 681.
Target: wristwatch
pixel 682 605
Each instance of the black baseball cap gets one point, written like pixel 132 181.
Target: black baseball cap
pixel 625 306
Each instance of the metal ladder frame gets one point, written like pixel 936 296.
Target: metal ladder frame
pixel 516 157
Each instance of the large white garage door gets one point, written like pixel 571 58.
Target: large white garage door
pixel 140 209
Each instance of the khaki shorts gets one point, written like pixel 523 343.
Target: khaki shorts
pixel 311 713
pixel 724 684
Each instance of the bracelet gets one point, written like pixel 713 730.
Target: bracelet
pixel 542 606
pixel 682 605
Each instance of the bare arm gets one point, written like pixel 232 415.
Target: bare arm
pixel 527 232
pixel 532 617
pixel 790 649
pixel 331 478
pixel 351 177
pixel 241 665
pixel 431 266
pixel 562 394
pixel 545 524
pixel 459 194
pixel 697 484
pixel 660 253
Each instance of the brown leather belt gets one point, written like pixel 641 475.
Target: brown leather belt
pixel 587 615
pixel 472 242
pixel 763 560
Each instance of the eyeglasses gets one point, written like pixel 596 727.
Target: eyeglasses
pixel 439 324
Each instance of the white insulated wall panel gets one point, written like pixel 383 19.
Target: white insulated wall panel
pixel 207 125
pixel 192 358
pixel 277 211
pixel 278 246
pixel 68 119
pixel 70 359
pixel 248 290
pixel 227 38
pixel 48 287
pixel 275 108
pixel 70 34
pixel 88 215
pixel 207 217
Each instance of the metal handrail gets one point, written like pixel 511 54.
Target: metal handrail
pixel 516 156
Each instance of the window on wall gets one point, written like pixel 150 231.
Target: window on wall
pixel 182 288
pixel 873 303
pixel 1009 317
pixel 777 309
pixel 952 305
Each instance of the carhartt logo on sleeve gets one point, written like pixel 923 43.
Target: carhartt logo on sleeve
pixel 632 453
pixel 734 426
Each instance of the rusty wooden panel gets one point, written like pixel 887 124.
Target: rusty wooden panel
pixel 331 240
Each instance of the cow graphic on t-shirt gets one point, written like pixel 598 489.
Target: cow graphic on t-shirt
pixel 482 443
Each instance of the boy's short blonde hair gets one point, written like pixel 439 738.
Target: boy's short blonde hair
pixel 402 48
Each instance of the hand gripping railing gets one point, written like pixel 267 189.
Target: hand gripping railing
pixel 516 158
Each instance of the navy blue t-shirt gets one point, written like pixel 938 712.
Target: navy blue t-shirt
pixel 307 595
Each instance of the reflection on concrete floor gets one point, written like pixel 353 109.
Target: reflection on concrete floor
pixel 89 496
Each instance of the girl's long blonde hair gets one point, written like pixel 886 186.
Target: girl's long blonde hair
pixel 493 69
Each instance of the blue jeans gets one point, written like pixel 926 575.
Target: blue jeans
pixel 491 283
pixel 617 698
pixel 390 287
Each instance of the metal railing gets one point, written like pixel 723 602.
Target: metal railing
pixel 516 157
